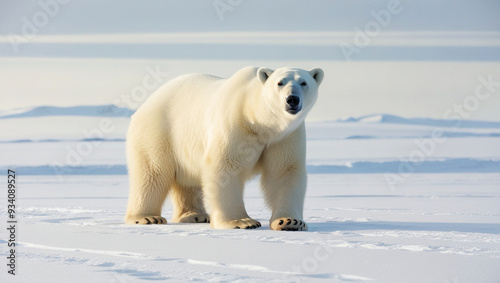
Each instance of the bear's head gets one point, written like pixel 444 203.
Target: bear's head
pixel 292 91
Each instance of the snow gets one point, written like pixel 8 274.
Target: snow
pixel 96 110
pixel 440 223
pixel 436 227
pixel 393 119
pixel 403 164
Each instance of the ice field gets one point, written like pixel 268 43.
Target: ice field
pixel 403 144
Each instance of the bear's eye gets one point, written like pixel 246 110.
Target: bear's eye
pixel 303 83
pixel 280 83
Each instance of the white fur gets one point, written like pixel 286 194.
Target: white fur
pixel 199 138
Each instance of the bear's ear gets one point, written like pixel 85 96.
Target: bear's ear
pixel 263 74
pixel 317 75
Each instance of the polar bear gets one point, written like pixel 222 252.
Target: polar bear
pixel 199 138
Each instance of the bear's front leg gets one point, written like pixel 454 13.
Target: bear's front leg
pixel 285 194
pixel 223 191
pixel 284 181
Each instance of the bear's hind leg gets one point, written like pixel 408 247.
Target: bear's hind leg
pixel 225 199
pixel 188 205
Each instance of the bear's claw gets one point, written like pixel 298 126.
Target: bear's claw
pixel 289 224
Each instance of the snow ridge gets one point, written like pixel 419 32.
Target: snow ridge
pixel 393 119
pixel 108 110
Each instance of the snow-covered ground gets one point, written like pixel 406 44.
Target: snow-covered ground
pixel 369 218
pixel 397 192
pixel 434 228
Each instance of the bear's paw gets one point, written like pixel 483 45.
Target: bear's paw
pixel 245 223
pixel 147 220
pixel 289 224
pixel 193 217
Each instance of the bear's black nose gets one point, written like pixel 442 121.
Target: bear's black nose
pixel 293 101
